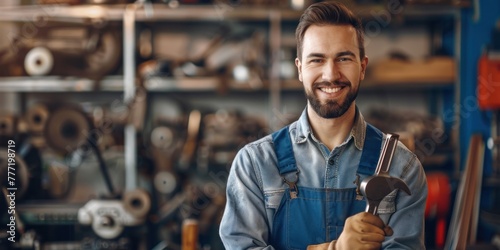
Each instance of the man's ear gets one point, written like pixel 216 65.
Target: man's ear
pixel 364 63
pixel 298 63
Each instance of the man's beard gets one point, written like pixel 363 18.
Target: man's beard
pixel 332 109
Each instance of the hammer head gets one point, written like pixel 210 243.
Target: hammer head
pixel 376 188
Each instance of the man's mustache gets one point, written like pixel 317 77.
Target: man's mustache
pixel 331 84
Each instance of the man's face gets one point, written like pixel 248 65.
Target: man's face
pixel 330 68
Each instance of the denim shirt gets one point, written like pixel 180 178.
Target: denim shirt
pixel 255 188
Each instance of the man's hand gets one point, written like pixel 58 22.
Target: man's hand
pixel 363 231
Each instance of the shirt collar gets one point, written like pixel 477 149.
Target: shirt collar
pixel 358 131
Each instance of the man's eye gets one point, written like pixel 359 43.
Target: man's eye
pixel 344 59
pixel 315 60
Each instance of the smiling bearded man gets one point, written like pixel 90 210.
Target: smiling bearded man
pixel 298 188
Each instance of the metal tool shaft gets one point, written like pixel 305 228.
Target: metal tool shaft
pixel 388 149
pixel 375 188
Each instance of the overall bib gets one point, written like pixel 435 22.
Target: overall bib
pixel 308 216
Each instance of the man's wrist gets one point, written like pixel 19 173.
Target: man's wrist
pixel 332 245
pixel 324 246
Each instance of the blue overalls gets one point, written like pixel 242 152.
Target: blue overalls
pixel 308 216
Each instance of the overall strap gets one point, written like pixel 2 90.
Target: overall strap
pixel 371 150
pixel 286 159
pixel 284 151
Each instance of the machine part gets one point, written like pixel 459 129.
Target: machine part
pixel 76 51
pixel 108 218
pixel 60 179
pixel 29 240
pixel 137 109
pixel 106 56
pixel 39 61
pixel 487 84
pixel 48 213
pixel 137 202
pixel 7 125
pixel 168 210
pixel 194 125
pixel 146 43
pixel 20 169
pixel 375 188
pixel 67 129
pixel 165 182
pixel 154 68
pixel 162 137
pixel 198 66
pixel 438 203
pixel 96 243
pixel 107 1
pixel 59 1
pixel 37 117
pixel 190 234
pixel 300 4
pixel 241 73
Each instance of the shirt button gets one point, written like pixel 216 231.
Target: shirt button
pixel 331 161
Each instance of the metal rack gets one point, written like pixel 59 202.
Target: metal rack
pixel 139 12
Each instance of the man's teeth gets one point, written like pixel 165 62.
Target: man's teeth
pixel 330 90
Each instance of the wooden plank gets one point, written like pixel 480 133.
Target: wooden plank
pixel 477 191
pixel 460 225
pixel 464 217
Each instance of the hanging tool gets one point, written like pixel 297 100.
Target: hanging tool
pixel 375 188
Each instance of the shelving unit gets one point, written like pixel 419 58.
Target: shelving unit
pixel 148 13
pixel 135 13
pixel 59 84
pixel 274 88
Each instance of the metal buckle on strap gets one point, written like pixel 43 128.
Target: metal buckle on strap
pixel 294 191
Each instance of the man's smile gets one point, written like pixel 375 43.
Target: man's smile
pixel 330 90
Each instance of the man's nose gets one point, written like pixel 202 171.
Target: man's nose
pixel 331 72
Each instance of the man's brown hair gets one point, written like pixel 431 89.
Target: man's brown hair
pixel 325 13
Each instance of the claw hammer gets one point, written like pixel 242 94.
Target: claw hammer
pixel 375 188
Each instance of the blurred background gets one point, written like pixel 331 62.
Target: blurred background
pixel 119 119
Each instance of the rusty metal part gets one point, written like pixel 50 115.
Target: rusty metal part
pixel 67 129
pixel 37 117
pixel 190 234
pixel 106 55
pixel 137 202
pixel 7 125
pixel 20 169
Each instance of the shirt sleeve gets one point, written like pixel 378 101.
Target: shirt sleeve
pixel 408 220
pixel 244 223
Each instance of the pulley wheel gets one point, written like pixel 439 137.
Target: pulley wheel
pixel 37 117
pixel 162 137
pixel 39 61
pixel 67 129
pixel 7 126
pixel 137 202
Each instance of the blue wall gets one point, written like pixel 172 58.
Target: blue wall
pixel 476 35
